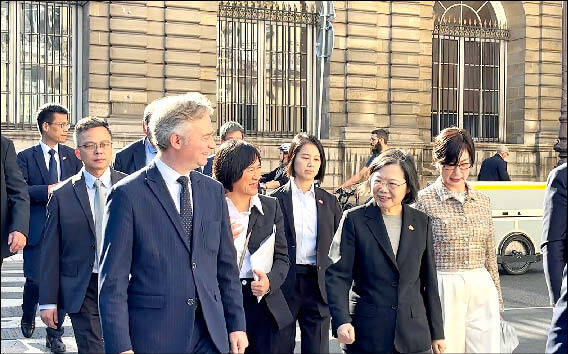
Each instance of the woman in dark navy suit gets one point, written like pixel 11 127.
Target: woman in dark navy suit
pixel 258 234
pixel 382 287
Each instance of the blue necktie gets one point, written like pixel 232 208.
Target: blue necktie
pixel 185 208
pixel 52 168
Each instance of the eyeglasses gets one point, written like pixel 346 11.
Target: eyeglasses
pixel 463 166
pixel 392 185
pixel 61 125
pixel 92 146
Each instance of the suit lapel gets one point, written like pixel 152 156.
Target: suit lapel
pixel 406 233
pixel 40 160
pixel 197 206
pixel 158 186
pixel 140 155
pixel 289 209
pixel 115 176
pixel 80 188
pixel 254 242
pixel 320 228
pixel 377 226
pixel 64 162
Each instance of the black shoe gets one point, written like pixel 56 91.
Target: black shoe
pixel 55 344
pixel 28 328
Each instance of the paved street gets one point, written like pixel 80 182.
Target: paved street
pixel 525 296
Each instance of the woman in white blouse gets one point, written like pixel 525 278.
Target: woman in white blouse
pixel 258 233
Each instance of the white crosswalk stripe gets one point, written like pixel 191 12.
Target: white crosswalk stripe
pixel 12 339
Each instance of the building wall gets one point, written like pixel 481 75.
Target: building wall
pixel 380 76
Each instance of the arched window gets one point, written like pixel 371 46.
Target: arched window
pixel 468 68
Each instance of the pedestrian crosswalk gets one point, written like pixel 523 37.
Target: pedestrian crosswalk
pixel 12 339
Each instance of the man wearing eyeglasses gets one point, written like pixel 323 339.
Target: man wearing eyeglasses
pixel 73 236
pixel 494 168
pixel 43 166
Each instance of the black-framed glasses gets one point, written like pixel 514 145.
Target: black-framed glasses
pixel 92 146
pixel 462 166
pixel 61 125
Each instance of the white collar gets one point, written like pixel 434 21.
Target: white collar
pixel 295 188
pixel 90 179
pixel 45 148
pixel 254 202
pixel 169 175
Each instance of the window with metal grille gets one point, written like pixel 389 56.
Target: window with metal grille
pixel 266 66
pixel 468 69
pixel 41 53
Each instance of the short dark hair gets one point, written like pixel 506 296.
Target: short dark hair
pixel 230 127
pixel 406 162
pixel 298 142
pixel 381 134
pixel 449 144
pixel 45 113
pixel 86 124
pixel 233 157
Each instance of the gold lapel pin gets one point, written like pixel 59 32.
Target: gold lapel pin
pixel 411 228
pixel 64 158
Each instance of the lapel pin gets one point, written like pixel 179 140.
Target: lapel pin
pixel 320 201
pixel 64 158
pixel 411 228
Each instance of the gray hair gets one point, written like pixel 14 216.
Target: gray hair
pixel 502 149
pixel 229 127
pixel 172 112
pixel 87 123
pixel 149 110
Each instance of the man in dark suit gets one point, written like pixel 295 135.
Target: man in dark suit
pixel 495 168
pixel 554 250
pixel 140 153
pixel 168 279
pixel 557 334
pixel 73 237
pixel 229 131
pixel 43 166
pixel 15 202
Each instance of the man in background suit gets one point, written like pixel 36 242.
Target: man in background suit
pixel 15 202
pixel 558 332
pixel 554 250
pixel 168 279
pixel 140 153
pixel 229 131
pixel 495 168
pixel 43 166
pixel 73 237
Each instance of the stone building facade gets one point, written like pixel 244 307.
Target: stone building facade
pixel 379 75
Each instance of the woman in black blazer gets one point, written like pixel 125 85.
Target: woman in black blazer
pixel 258 234
pixel 311 216
pixel 384 255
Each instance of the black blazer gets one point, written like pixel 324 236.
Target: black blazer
pixel 262 226
pixel 494 169
pixel 15 198
pixel 131 158
pixel 393 303
pixel 328 214
pixel 68 253
pixel 554 231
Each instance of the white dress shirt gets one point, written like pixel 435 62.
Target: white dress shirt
pixel 305 223
pixel 91 191
pixel 170 176
pixel 90 182
pixel 150 151
pixel 242 219
pixel 46 156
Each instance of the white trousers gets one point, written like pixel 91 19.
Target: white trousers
pixel 470 308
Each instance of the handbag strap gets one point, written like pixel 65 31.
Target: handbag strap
pixel 244 252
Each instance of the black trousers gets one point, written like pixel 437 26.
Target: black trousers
pixel 262 330
pixel 86 323
pixel 30 299
pixel 307 306
pixel 201 341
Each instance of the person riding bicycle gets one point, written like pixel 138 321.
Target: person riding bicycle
pixel 278 176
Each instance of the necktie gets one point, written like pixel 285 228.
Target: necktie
pixel 99 211
pixel 185 209
pixel 52 167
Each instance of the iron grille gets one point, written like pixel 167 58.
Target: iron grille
pixel 266 66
